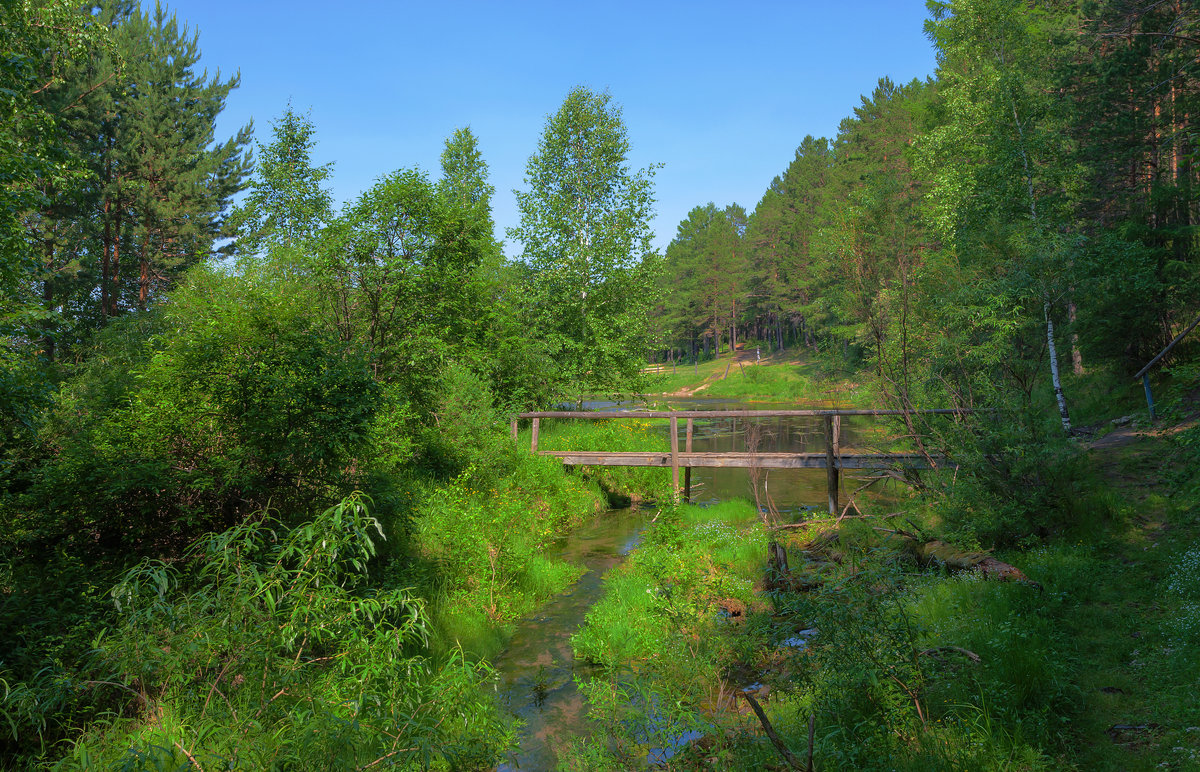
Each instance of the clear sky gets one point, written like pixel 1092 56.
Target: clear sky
pixel 720 93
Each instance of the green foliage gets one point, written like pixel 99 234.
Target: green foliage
pixel 703 285
pixel 40 42
pixel 1018 486
pixel 626 434
pixel 239 399
pixel 482 537
pixel 468 431
pixel 586 236
pixel 50 611
pixel 665 639
pixel 674 578
pixel 397 273
pixel 888 682
pixel 286 205
pixel 274 650
pixel 465 173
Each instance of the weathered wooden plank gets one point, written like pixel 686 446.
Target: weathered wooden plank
pixel 606 414
pixel 687 470
pixel 746 460
pixel 831 475
pixel 534 431
pixel 674 456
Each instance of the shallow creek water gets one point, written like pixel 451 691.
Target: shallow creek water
pixel 537 669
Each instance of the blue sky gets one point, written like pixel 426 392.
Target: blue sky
pixel 720 93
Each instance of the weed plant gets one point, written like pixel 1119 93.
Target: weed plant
pixel 658 631
pixel 481 544
pixel 617 435
pixel 272 648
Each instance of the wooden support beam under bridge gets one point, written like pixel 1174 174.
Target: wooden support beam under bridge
pixel 832 460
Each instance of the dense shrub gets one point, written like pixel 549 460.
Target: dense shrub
pixel 187 422
pixel 273 648
pixel 1018 485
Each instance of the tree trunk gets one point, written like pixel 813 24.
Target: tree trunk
pixel 1076 354
pixel 48 295
pixel 114 294
pixel 105 261
pixel 1058 391
pixel 144 277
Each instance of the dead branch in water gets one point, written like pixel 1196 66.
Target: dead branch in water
pixel 936 652
pixel 791 760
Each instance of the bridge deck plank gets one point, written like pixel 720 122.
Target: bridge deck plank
pixel 746 460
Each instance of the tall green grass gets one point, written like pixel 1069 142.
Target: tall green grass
pixel 691 559
pixel 624 434
pixel 481 547
pixel 273 648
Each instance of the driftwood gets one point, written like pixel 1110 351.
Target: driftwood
pixel 788 756
pixel 939 553
pixel 822 548
pixel 937 651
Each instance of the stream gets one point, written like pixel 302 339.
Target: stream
pixel 536 671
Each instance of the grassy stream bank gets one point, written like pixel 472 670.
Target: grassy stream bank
pixel 275 643
pixel 867 659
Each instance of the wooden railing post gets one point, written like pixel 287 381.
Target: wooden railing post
pixel 533 443
pixel 674 455
pixel 513 425
pixel 831 469
pixel 687 470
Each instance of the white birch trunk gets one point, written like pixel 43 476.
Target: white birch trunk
pixel 1076 354
pixel 1058 391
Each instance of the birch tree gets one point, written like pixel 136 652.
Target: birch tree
pixel 585 231
pixel 1000 185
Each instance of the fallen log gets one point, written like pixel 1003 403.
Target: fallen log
pixel 779 744
pixel 937 651
pixel 824 546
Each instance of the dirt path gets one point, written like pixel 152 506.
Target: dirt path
pixel 743 357
pixel 1137 685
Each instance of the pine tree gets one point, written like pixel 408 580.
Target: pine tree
pixel 184 179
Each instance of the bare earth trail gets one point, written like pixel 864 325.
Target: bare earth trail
pixel 743 357
pixel 1140 708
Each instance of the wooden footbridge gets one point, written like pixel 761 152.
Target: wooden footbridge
pixel 833 460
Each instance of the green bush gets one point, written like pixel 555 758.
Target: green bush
pixel 232 399
pixel 484 539
pixel 1017 486
pixel 273 649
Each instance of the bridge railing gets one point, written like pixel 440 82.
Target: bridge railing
pixel 832 460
